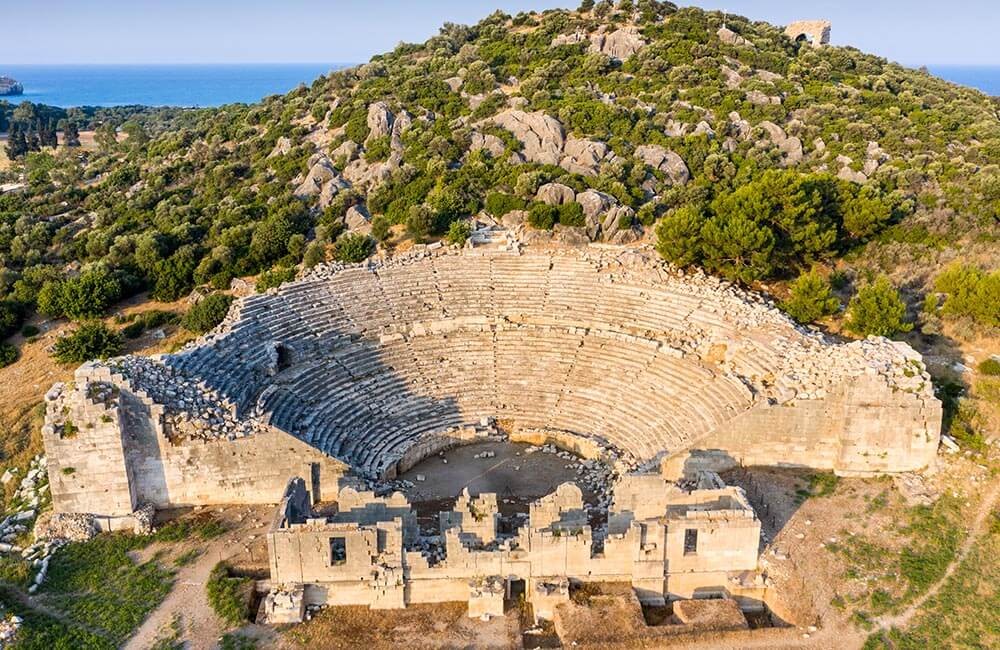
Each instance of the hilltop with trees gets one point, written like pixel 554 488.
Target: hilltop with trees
pixel 716 138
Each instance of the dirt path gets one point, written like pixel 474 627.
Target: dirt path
pixel 187 601
pixel 978 527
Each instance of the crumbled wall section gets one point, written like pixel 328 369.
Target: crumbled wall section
pixel 118 457
pixel 82 435
pixel 689 542
pixel 816 31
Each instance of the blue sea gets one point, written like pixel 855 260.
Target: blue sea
pixel 984 77
pixel 159 85
pixel 214 85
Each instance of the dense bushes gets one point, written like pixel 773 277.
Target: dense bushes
pixel 229 597
pixel 91 340
pixel 275 277
pixel 82 297
pixel 8 354
pixel 353 247
pixel 877 310
pixel 811 298
pixel 207 313
pixel 970 292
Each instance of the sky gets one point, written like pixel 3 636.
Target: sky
pixel 912 32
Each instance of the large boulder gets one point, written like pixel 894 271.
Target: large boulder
pixel 541 136
pixel 400 124
pixel 619 44
pixel 357 219
pixel 322 180
pixel 281 147
pixel 618 221
pixel 738 127
pixel 569 39
pixel 665 161
pixel 730 37
pixel 380 120
pixel 595 204
pixel 348 150
pixel 790 146
pixel 584 156
pixel 555 194
pixel 488 142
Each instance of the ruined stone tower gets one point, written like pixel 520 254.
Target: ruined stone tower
pixel 816 32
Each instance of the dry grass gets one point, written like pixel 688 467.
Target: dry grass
pixel 24 383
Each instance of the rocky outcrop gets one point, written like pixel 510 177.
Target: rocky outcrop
pixel 488 142
pixel 541 136
pixel 281 147
pixel 380 120
pixel 10 87
pixel 730 37
pixel 790 146
pixel 584 156
pixel 665 161
pixel 555 194
pixel 357 219
pixel 595 205
pixel 323 180
pixel 543 141
pixel 758 98
pixel 619 44
pixel 569 39
pixel 738 127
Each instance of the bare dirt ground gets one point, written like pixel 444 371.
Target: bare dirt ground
pixel 445 625
pixel 185 615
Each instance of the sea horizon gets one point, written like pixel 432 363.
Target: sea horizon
pixel 203 85
pixel 186 85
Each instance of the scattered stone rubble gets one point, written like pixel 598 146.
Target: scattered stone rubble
pixel 9 625
pixel 23 518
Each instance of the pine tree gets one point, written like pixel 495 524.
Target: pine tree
pixel 71 134
pixel 17 143
pixel 878 310
pixel 811 298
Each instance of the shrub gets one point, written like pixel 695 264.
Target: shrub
pixel 353 247
pixel 80 298
pixel 571 214
pixel 228 596
pixel 380 227
pixel 971 292
pixel 542 216
pixel 498 204
pixel 678 235
pixel 315 254
pixel 878 310
pixel 28 331
pixel 133 330
pixel 811 298
pixel 92 340
pixel 274 278
pixel 207 313
pixel 458 232
pixel 8 354
pixel 990 367
pixel 11 317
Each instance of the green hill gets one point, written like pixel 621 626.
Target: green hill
pixel 735 149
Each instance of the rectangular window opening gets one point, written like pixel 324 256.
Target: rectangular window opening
pixel 338 551
pixel 690 541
